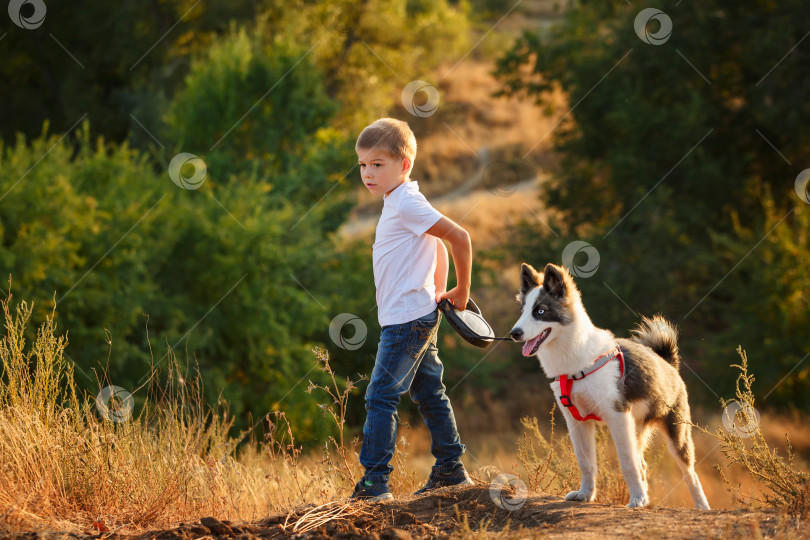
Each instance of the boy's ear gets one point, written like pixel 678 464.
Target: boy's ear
pixel 406 164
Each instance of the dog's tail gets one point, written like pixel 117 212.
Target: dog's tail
pixel 661 336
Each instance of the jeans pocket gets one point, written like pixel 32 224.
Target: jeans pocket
pixel 422 332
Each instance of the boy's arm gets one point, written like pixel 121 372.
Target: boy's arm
pixel 442 269
pixel 461 250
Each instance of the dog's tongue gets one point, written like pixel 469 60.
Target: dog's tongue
pixel 529 346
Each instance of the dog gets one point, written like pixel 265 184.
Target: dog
pixel 632 385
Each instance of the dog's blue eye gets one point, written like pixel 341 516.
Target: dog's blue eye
pixel 539 311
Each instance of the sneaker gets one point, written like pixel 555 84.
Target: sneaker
pixel 371 491
pixel 458 477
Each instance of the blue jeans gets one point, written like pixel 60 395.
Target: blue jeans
pixel 408 361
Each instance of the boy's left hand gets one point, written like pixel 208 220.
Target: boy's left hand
pixel 457 296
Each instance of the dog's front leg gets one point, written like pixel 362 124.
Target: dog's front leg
pixel 623 431
pixel 583 436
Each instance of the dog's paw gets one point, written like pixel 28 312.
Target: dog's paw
pixel 583 496
pixel 638 502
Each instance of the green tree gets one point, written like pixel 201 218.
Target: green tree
pixel 366 48
pixel 106 60
pixel 666 152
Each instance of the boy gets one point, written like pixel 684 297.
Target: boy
pixel 410 273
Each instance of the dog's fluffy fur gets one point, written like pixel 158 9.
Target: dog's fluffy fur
pixel 555 327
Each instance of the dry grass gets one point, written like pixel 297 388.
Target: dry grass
pixel 743 444
pixel 551 465
pixel 554 469
pixel 480 531
pixel 66 466
pixel 64 463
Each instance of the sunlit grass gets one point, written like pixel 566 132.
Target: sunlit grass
pixel 68 465
pixel 64 461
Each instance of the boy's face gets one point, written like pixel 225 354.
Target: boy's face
pixel 380 171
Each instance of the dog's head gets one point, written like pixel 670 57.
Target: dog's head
pixel 548 302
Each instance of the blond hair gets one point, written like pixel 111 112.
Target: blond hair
pixel 389 135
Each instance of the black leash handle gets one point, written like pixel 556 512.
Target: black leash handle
pixel 469 333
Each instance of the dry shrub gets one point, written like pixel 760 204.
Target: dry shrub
pixel 338 459
pixel 551 465
pixel 785 487
pixel 64 463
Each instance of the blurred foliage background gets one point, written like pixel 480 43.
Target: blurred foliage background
pixel 677 162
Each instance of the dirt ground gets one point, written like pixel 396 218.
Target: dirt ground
pixel 469 511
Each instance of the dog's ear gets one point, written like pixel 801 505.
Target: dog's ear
pixel 554 282
pixel 529 278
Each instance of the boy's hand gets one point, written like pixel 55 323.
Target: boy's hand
pixel 458 296
pixel 439 294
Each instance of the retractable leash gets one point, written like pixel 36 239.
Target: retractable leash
pixel 470 324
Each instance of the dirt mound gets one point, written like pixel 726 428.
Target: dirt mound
pixel 454 511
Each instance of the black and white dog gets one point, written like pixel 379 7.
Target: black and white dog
pixel 631 384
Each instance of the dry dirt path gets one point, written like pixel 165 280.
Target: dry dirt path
pixel 466 512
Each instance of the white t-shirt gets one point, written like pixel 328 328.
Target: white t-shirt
pixel 405 257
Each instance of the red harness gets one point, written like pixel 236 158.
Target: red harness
pixel 567 383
